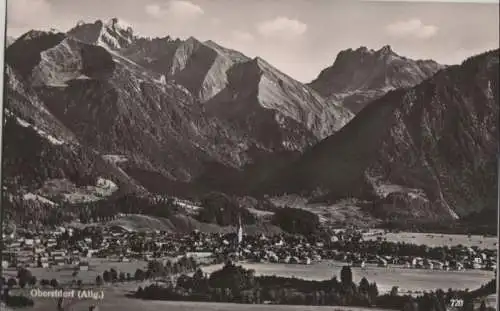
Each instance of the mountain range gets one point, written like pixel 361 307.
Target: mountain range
pixel 101 111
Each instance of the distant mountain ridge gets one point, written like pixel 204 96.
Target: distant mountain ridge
pixel 362 75
pixel 148 100
pixel 204 69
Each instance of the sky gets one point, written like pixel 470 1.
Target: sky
pixel 299 37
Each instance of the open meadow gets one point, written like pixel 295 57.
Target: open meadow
pixel 203 306
pixel 97 266
pixel 112 302
pixel 408 280
pixel 114 295
pixel 435 239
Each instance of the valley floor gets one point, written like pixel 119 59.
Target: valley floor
pixel 112 302
pixel 409 281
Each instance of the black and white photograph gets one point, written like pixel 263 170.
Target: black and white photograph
pixel 263 155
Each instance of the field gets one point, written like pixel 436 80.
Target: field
pixel 113 302
pixel 189 306
pixel 408 280
pixel 96 267
pixel 341 213
pixel 435 239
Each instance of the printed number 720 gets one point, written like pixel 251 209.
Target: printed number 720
pixel 456 303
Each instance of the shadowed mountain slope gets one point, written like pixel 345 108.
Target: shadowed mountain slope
pixel 432 146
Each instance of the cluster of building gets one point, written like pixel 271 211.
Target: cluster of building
pixel 71 246
pixel 298 252
pixel 481 261
pixel 39 250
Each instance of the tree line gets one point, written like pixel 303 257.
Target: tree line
pixel 235 284
pixel 385 248
pixel 23 279
pixel 296 221
pixel 126 204
pixel 224 210
pixel 155 269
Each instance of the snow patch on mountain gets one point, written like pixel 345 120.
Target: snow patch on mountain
pixel 66 191
pixel 105 187
pixel 37 198
pixel 115 158
pixel 187 204
pixel 53 140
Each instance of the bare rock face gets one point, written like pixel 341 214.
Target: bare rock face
pixel 294 100
pixel 362 75
pixel 202 67
pixel 284 113
pixel 168 107
pixel 205 69
pixel 112 34
pixel 25 53
pixel 439 137
pixel 198 66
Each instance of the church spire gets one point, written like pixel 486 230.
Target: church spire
pixel 240 230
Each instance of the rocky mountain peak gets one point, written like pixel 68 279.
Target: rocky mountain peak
pixel 361 49
pixel 262 64
pixel 362 57
pixel 192 40
pixel 359 76
pixel 113 34
pixel 365 51
pixel 385 50
pixel 119 25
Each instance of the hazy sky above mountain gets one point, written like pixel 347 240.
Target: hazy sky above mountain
pixel 299 37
